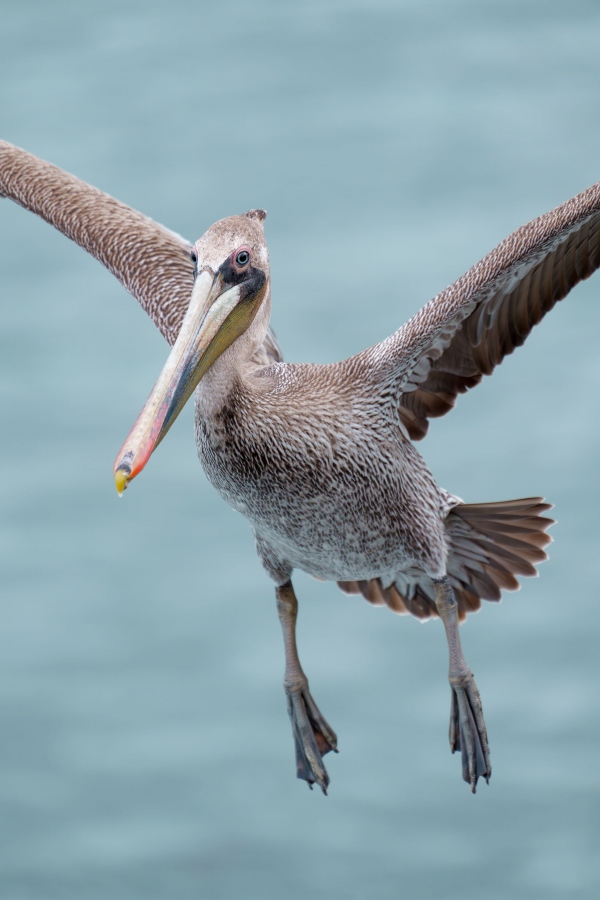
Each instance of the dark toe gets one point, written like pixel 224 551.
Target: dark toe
pixel 468 733
pixel 313 738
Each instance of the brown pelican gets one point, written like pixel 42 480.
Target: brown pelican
pixel 321 458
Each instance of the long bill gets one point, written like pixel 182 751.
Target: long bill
pixel 215 317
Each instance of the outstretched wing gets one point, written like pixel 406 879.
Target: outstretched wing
pixel 152 262
pixel 468 329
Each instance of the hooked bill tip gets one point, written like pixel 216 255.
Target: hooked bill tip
pixel 121 479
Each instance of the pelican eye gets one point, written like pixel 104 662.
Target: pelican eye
pixel 243 258
pixel 193 256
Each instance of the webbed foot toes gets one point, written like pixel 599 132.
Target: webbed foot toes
pixel 467 729
pixel 313 736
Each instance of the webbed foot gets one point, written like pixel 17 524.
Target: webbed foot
pixel 313 736
pixel 467 729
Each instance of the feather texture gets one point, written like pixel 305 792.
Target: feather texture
pixel 489 545
pixel 467 330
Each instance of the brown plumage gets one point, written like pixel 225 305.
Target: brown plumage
pixel 320 458
pixel 491 309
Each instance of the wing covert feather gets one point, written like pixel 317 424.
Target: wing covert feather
pixel 152 262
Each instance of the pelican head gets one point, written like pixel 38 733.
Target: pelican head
pixel 230 299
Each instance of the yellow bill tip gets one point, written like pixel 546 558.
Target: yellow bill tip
pixel 121 479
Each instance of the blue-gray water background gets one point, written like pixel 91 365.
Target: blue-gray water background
pixel 144 746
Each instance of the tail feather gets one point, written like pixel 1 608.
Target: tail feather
pixel 489 545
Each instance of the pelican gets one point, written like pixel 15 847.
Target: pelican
pixel 321 458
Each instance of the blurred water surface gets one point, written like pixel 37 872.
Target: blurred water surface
pixel 144 749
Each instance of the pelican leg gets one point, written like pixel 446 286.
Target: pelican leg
pixel 467 727
pixel 313 736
